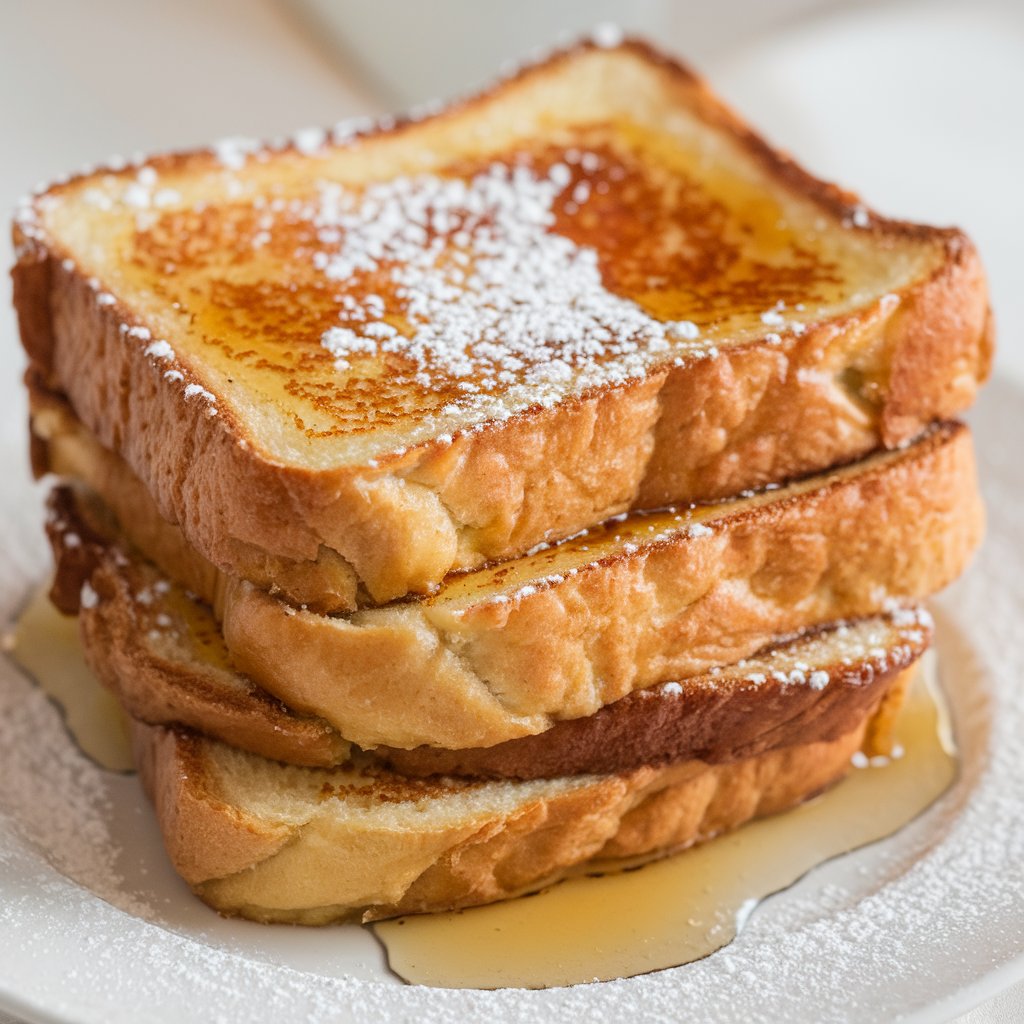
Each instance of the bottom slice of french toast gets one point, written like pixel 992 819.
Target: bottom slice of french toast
pixel 274 842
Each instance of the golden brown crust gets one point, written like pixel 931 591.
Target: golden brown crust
pixel 154 687
pixel 331 869
pixel 164 665
pixel 61 445
pixel 942 340
pixel 758 413
pixel 715 718
pixel 202 833
pixel 484 672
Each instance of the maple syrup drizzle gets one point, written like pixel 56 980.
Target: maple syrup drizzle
pixel 674 911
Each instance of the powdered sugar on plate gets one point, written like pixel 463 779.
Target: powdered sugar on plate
pixel 53 797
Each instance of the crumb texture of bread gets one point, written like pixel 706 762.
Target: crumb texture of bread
pixel 733 322
pixel 313 846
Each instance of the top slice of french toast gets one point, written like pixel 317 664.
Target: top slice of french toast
pixel 418 345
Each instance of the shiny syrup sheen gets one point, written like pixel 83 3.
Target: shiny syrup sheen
pixel 675 231
pixel 622 922
pixel 45 644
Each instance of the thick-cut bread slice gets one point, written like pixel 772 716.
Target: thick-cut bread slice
pixel 613 295
pixel 814 688
pixel 161 653
pixel 508 650
pixel 310 845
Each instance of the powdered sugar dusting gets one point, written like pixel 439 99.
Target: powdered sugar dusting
pixel 233 151
pixel 309 140
pixel 160 350
pixel 607 35
pixel 198 391
pixel 480 290
pixel 850 653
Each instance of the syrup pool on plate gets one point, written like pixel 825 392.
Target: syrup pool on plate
pixel 618 921
pixel 627 922
pixel 45 644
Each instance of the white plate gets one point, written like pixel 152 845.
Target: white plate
pixel 94 926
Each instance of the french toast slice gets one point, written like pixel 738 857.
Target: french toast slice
pixel 385 354
pixel 161 653
pixel 275 842
pixel 506 651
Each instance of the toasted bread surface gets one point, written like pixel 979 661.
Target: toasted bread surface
pixel 277 843
pixel 508 650
pixel 161 653
pixel 231 324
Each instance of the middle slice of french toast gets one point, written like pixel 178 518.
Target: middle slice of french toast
pixel 160 651
pixel 513 649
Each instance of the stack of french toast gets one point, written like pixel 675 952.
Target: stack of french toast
pixel 451 502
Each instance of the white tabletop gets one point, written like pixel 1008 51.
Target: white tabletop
pixel 913 107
